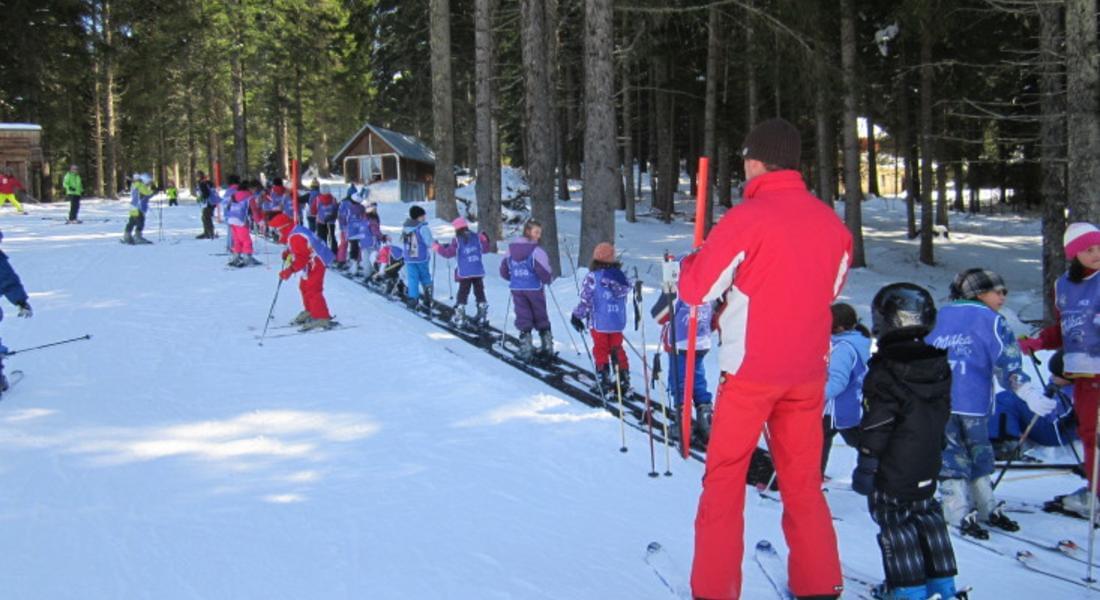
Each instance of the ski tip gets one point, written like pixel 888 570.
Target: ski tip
pixel 653 547
pixel 1024 555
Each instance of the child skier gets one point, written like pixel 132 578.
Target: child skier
pixel 907 402
pixel 527 270
pixel 702 399
pixel 237 214
pixel 326 219
pixel 307 253
pixel 1077 297
pixel 980 346
pixel 851 347
pixel 344 212
pixel 468 247
pixel 173 194
pixel 209 199
pixel 387 275
pixel 9 187
pixel 416 239
pixel 602 307
pixel 12 289
pixel 139 205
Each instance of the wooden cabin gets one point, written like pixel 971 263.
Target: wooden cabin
pixel 21 150
pixel 378 154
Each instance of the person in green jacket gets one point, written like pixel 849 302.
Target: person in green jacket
pixel 73 190
pixel 173 194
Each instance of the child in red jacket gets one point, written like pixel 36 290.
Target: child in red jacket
pixel 307 253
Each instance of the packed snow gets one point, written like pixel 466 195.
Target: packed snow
pixel 171 456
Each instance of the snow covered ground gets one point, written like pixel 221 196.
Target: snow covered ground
pixel 173 457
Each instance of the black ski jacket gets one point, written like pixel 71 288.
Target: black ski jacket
pixel 906 404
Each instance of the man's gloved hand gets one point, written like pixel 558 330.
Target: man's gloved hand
pixel 284 274
pixel 25 310
pixel 863 478
pixel 1038 402
pixel 577 323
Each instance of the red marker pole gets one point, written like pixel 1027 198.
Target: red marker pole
pixel 294 187
pixel 702 177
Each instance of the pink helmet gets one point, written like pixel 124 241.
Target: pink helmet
pixel 459 223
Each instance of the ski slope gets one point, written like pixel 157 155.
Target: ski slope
pixel 171 456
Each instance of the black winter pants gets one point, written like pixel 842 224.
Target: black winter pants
pixel 464 285
pixel 914 540
pixel 850 437
pixel 74 206
pixel 208 221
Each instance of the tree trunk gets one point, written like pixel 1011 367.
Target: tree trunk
pixel 1081 109
pixel 826 145
pixel 941 187
pixel 926 76
pixel 752 103
pixel 710 118
pixel 722 177
pixel 905 142
pixel 488 205
pixel 665 145
pixel 601 174
pixel 97 132
pixel 960 182
pixel 540 153
pixel 1053 151
pixel 872 151
pixel 110 125
pixel 853 211
pixel 629 193
pixel 240 140
pixel 443 131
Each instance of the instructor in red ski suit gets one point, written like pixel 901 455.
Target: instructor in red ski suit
pixel 778 260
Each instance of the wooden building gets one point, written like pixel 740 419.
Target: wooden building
pixel 378 154
pixel 21 150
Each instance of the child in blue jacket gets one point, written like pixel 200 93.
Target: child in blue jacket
pixel 12 289
pixel 603 307
pixel 851 348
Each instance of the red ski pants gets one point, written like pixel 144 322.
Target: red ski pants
pixel 312 286
pixel 242 239
pixel 1086 397
pixel 793 416
pixel 603 344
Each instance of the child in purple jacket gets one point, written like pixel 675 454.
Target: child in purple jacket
pixel 467 247
pixel 603 307
pixel 527 270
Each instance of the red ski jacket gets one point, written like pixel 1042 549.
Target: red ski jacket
pixel 8 184
pixel 778 259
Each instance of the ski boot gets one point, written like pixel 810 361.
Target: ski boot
pixel 250 261
pixel 704 415
pixel 1000 520
pixel 459 318
pixel 236 261
pixel 969 526
pixel 885 592
pixel 526 349
pixel 604 387
pixel 944 586
pixel 302 318
pixel 316 324
pixel 127 239
pixel 140 239
pixel 482 317
pixel 546 348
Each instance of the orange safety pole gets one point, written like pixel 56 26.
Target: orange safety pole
pixel 702 177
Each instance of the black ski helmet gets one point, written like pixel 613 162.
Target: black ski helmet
pixel 902 306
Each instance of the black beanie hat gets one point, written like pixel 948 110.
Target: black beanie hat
pixel 415 212
pixel 774 142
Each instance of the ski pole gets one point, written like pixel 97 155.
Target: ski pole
pixel 591 361
pixel 160 220
pixel 645 374
pixel 86 336
pixel 1092 501
pixel 450 286
pixel 561 316
pixel 573 266
pixel 1016 450
pixel 664 410
pixel 504 327
pixel 271 310
pixel 619 394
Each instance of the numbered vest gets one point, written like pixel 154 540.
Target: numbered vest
pixel 704 314
pixel 968 331
pixel 326 212
pixel 608 311
pixel 522 275
pixel 237 213
pixel 274 202
pixel 320 249
pixel 416 247
pixel 469 256
pixel 1077 304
